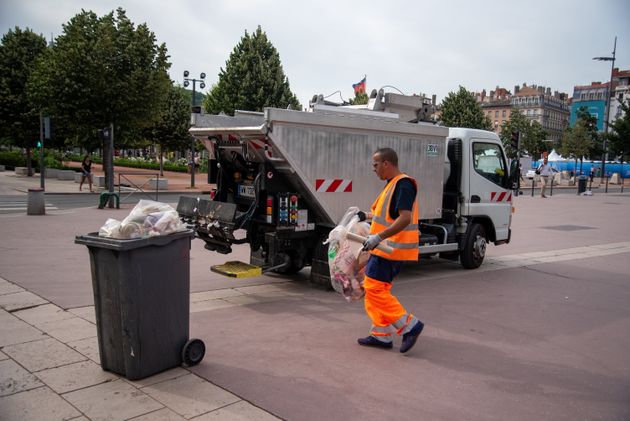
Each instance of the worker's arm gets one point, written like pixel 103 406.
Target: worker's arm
pixel 400 223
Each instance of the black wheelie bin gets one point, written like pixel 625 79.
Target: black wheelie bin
pixel 582 184
pixel 142 303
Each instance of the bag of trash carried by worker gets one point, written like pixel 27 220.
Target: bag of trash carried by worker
pixel 147 219
pixel 346 259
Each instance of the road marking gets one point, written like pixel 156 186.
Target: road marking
pixel 2 208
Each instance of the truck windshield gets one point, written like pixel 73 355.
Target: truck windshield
pixel 489 163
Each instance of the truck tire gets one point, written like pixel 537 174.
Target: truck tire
pixel 297 263
pixel 320 272
pixel 471 256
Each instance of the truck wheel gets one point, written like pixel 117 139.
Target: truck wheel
pixel 320 272
pixel 474 250
pixel 296 263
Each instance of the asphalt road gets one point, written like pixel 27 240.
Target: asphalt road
pixel 539 332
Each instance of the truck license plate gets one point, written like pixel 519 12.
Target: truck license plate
pixel 245 190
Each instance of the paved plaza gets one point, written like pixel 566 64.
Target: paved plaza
pixel 540 331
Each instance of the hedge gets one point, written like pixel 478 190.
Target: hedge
pixel 54 160
pixel 134 163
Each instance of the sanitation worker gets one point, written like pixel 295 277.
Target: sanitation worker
pixel 394 217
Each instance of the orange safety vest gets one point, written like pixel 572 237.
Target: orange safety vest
pixel 405 243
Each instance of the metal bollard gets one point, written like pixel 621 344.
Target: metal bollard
pixel 551 188
pixel 533 185
pixel 36 204
pixel 607 178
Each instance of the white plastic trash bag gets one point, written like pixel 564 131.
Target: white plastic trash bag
pixel 147 219
pixel 345 258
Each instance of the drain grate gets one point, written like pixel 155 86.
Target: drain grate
pixel 569 228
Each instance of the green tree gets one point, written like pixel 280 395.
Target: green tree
pixel 577 141
pixel 360 98
pixel 253 78
pixel 619 133
pixel 170 132
pixel 590 126
pixel 103 70
pixel 19 118
pixel 532 135
pixel 461 109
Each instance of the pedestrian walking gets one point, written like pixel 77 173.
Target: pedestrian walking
pixel 394 216
pixel 545 170
pixel 86 172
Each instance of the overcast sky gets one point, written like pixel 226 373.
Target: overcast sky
pixel 416 46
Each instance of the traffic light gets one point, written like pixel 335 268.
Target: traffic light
pixel 515 139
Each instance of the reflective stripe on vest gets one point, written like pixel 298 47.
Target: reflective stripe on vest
pixel 404 243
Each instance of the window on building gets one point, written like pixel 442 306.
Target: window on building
pixel 503 113
pixel 496 114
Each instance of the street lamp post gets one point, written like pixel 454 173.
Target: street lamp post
pixel 610 93
pixel 202 85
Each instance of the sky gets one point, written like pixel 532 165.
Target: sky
pixel 415 46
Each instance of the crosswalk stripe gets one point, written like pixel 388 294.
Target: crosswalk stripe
pixel 24 208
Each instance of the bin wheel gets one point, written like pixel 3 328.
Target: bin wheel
pixel 193 352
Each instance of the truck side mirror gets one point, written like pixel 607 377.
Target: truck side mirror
pixel 514 174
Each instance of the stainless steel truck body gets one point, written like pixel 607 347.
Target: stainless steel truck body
pixel 285 178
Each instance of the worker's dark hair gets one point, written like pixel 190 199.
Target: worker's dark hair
pixel 388 154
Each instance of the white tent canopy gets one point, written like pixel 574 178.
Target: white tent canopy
pixel 554 156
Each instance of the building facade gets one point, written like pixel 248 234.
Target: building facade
pixel 621 85
pixel 593 98
pixel 538 104
pixel 495 106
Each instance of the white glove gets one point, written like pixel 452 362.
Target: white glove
pixel 372 241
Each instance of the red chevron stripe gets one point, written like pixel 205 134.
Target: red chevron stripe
pixel 333 186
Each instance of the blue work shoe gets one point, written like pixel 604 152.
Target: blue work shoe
pixel 372 341
pixel 409 339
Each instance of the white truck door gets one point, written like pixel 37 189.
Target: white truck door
pixel 488 185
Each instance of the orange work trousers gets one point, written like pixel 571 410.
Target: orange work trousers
pixel 381 306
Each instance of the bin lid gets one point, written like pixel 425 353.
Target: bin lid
pixel 93 240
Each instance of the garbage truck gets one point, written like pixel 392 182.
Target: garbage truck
pixel 285 178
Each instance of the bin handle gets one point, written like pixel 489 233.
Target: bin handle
pixel 360 239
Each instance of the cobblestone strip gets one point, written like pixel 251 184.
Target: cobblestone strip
pixel 49 369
